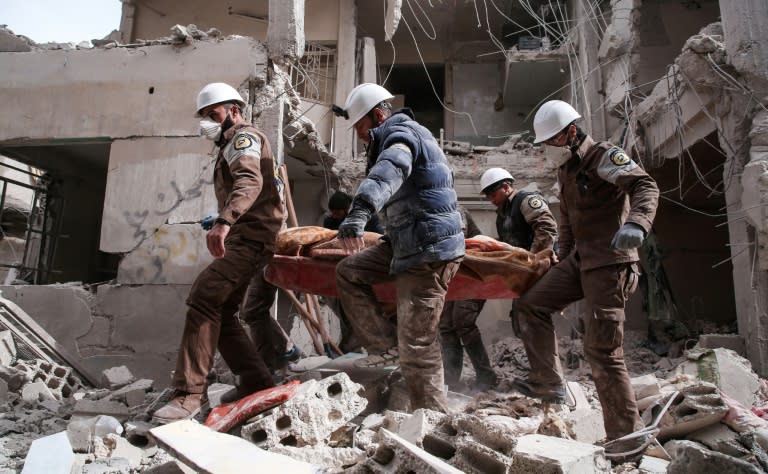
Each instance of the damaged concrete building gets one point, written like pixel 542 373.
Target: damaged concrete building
pixel 107 176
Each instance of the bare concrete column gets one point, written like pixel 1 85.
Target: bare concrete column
pixel 745 23
pixel 345 76
pixel 285 33
pixel 368 49
pixel 586 72
pixel 126 22
pixel 270 122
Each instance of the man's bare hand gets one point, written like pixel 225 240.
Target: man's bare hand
pixel 352 244
pixel 215 239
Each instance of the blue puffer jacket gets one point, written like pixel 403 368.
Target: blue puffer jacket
pixel 415 192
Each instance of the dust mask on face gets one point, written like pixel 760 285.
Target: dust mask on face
pixel 210 129
pixel 558 155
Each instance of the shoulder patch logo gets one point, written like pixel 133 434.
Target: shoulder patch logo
pixel 242 142
pixel 619 158
pixel 535 202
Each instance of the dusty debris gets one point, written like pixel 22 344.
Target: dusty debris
pixel 321 425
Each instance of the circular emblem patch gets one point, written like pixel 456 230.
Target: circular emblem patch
pixel 242 142
pixel 619 158
pixel 535 202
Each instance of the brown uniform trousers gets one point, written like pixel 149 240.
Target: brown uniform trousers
pixel 420 295
pixel 213 301
pixel 606 290
pixel 267 335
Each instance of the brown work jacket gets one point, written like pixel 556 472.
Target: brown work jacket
pixel 248 186
pixel 600 190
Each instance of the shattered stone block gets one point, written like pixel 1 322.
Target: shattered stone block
pixel 418 424
pixel 58 378
pixel 726 369
pixel 584 422
pixel 395 454
pixel 473 457
pixel 101 407
pixel 688 456
pixel 645 386
pixel 13 377
pixel 50 455
pixel 116 377
pixel 694 408
pixel 718 437
pixel 317 409
pixel 7 348
pixel 143 385
pixel 652 465
pixel 496 436
pixel 539 453
pixel 325 456
pixel 36 392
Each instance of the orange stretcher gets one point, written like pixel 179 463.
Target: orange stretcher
pixel 306 259
pixel 318 277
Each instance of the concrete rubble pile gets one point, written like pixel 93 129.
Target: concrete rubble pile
pixel 705 409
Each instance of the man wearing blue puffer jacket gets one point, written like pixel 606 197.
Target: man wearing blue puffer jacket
pixel 409 181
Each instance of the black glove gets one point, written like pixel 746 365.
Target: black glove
pixel 207 222
pixel 630 236
pixel 354 224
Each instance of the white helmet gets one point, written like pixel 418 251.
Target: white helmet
pixel 217 93
pixel 493 176
pixel 362 99
pixel 551 118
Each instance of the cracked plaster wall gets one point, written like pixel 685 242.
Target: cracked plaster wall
pixel 110 326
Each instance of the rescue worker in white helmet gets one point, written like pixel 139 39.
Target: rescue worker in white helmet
pixel 410 182
pixel 251 213
pixel 607 205
pixel 523 219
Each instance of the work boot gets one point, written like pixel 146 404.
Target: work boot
pixel 486 378
pixel 182 406
pixel 554 393
pixel 453 359
pixel 387 358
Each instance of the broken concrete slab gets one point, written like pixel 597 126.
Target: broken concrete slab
pixel 324 456
pixel 317 409
pixel 60 379
pixel 36 392
pixel 7 349
pixel 49 455
pixel 211 452
pixel 121 448
pixel 101 407
pixel 719 437
pixel 652 465
pixel 15 378
pixel 733 342
pixel 726 369
pixel 645 386
pixel 689 456
pixel 116 377
pixel 395 454
pixel 414 427
pixel 539 453
pixel 694 408
pixel 472 456
pixel 584 422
